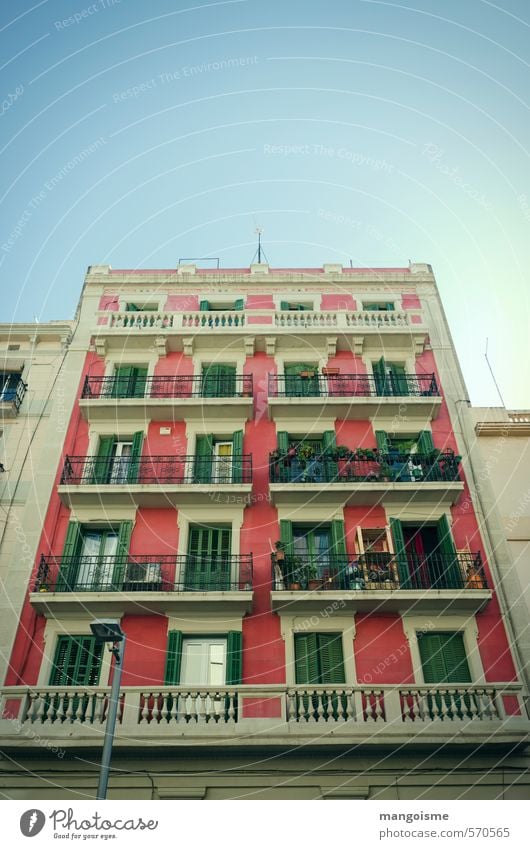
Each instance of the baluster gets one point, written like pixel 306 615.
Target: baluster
pixel 41 707
pixel 69 713
pixel 311 708
pixel 444 710
pixel 473 705
pixel 99 708
pixel 200 707
pixel 49 714
pixel 321 695
pixel 182 707
pixel 379 713
pixel 155 713
pixel 491 702
pixel 341 695
pixel 350 709
pixel 416 706
pixel 164 712
pixel 434 709
pixel 454 711
pixel 291 707
pixel 231 707
pixel 144 713
pixel 368 709
pixel 80 711
pixel 407 705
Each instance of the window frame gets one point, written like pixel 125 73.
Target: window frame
pixel 467 625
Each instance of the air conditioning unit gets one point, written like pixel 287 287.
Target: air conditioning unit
pixel 143 573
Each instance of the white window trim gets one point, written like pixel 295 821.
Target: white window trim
pixel 291 625
pixel 99 429
pixel 466 625
pixel 132 359
pixel 300 298
pixel 224 515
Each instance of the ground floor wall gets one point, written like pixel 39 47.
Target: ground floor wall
pixel 268 774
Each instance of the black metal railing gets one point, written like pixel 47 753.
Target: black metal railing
pixel 171 386
pixel 13 394
pixel 378 467
pixel 181 469
pixel 379 571
pixel 144 573
pixel 351 385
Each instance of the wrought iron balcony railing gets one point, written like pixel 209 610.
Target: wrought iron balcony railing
pixel 352 385
pixel 378 467
pixel 235 469
pixel 167 573
pixel 171 386
pixel 13 393
pixel 379 571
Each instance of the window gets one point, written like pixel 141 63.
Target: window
pixel 93 558
pixel 426 555
pixel 379 306
pixel 408 456
pixel 304 460
pixel 301 380
pixel 218 381
pixel 319 659
pixel 209 306
pixel 117 459
pixel 219 460
pixel 9 381
pixel 294 306
pixel 208 564
pixel 390 378
pixel 129 382
pixel 141 307
pixel 444 661
pixel 203 660
pixel 77 662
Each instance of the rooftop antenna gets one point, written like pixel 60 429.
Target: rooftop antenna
pixel 492 375
pixel 260 250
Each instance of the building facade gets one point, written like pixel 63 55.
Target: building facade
pixel 264 477
pixel 503 444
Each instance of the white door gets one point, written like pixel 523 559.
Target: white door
pixel 120 462
pixel 222 465
pixel 203 667
pixel 97 559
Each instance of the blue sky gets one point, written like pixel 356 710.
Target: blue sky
pixel 377 132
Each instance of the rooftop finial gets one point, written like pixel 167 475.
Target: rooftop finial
pixel 260 251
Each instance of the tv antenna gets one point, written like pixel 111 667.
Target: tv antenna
pixel 260 250
pixel 492 375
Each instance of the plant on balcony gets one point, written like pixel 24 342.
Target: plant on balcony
pixel 341 452
pixel 313 580
pixel 304 454
pixel 280 551
pixel 295 573
pixel 307 374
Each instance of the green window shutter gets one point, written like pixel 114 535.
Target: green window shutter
pixel 237 456
pixel 77 662
pixel 139 380
pixel 396 529
pixel 219 381
pixel 286 536
pixel 381 439
pixel 101 470
pixel 234 658
pixel 306 658
pixel 398 380
pixel 443 658
pixel 283 442
pixel 122 554
pixel 329 446
pixel 390 307
pixel 370 307
pixel 331 659
pixel 136 453
pixel 203 459
pixel 204 306
pixel 173 658
pixel 68 569
pixel 450 570
pixel 380 377
pixel 338 548
pixel 121 385
pixel 239 304
pixel 284 305
pixel 425 443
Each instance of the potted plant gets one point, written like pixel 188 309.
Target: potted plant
pixel 305 453
pixel 295 574
pixel 342 451
pixel 280 551
pixel 330 371
pixel 307 374
pixel 313 581
pixel 44 588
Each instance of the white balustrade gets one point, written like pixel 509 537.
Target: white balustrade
pixel 379 320
pixel 305 320
pixel 65 706
pixel 188 706
pixel 447 704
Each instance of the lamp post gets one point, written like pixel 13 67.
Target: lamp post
pixel 109 631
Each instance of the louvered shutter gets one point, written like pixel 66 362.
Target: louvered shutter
pixel 77 662
pixel 203 459
pixel 136 453
pixel 379 369
pixel 121 385
pixel 284 305
pixel 338 551
pixel 306 658
pixel 234 658
pixel 68 568
pixel 400 552
pixel 102 465
pixel 329 446
pixel 204 306
pixel 237 456
pixel 122 554
pixel 239 304
pixel 173 658
pixel 425 442
pixel 331 659
pixel 381 439
pixel 450 575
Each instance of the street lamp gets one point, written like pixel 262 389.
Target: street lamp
pixel 109 631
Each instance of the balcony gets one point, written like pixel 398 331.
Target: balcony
pixel 353 396
pixel 488 715
pixel 380 581
pixel 167 398
pixel 155 481
pixel 12 393
pixel 366 477
pixel 151 583
pixel 133 330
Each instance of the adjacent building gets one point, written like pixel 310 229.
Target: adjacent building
pixel 265 478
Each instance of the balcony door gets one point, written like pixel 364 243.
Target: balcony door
pixel 203 662
pixel 390 378
pixel 219 381
pixel 97 560
pixel 222 467
pixel 312 549
pixel 208 563
pixel 9 381
pixel 301 380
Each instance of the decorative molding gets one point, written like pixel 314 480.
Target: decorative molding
pixel 161 347
pixel 101 346
pixel 270 345
pixel 250 345
pixel 187 345
pixel 357 343
pixel 331 343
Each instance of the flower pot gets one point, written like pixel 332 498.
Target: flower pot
pixel 314 584
pixel 330 371
pixel 307 374
pixel 295 586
